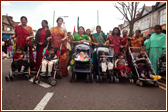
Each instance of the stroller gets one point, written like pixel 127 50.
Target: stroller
pixel 140 80
pixel 117 74
pixel 109 55
pixel 52 79
pixel 82 67
pixel 161 62
pixel 12 74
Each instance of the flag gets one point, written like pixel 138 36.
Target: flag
pixel 74 28
pixel 78 23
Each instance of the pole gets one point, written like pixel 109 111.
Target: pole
pixel 53 18
pixel 97 17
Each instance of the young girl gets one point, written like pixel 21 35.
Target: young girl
pixel 142 63
pixel 19 60
pixel 121 65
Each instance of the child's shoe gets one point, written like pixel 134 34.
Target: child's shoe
pixel 122 74
pixel 43 74
pixel 125 75
pixel 49 73
pixel 150 75
pixel 142 75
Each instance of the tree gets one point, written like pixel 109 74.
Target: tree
pixel 129 11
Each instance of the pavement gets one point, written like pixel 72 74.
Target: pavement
pixel 24 95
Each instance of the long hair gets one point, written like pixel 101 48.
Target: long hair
pixel 46 22
pixel 119 33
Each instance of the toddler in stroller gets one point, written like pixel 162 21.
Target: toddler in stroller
pixel 82 56
pixel 142 62
pixel 120 65
pixel 49 59
pixel 105 63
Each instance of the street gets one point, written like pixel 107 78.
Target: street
pixel 24 95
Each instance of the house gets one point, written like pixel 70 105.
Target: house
pixel 124 26
pixel 7 26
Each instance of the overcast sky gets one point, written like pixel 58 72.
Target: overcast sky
pixel 109 16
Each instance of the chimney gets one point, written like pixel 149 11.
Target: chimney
pixel 153 7
pixel 10 18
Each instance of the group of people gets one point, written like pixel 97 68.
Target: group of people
pixel 54 37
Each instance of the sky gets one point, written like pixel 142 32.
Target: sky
pixel 109 16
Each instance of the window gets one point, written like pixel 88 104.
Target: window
pixel 162 17
pixel 8 29
pixel 2 27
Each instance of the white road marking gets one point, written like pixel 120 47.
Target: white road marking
pixel 41 105
pixel 43 84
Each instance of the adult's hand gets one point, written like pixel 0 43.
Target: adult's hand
pixel 163 55
pixel 27 38
pixel 13 36
pixel 40 43
pixel 49 38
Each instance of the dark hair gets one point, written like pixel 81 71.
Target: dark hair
pixel 68 32
pixel 142 47
pixel 141 35
pixel 23 17
pixel 98 26
pixel 87 29
pixel 81 27
pixel 149 34
pixel 49 48
pixel 164 31
pixel 46 22
pixel 158 26
pixel 120 54
pixel 138 31
pixel 20 48
pixel 125 30
pixel 59 19
pixel 118 31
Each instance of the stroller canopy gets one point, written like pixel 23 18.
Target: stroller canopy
pixel 82 47
pixel 103 49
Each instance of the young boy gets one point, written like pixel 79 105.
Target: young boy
pixel 105 63
pixel 143 63
pixel 50 59
pixel 121 65
pixel 19 60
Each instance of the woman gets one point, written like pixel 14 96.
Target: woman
pixel 115 40
pixel 156 46
pixel 98 38
pixel 4 47
pixel 24 34
pixel 89 34
pixel 41 42
pixel 58 36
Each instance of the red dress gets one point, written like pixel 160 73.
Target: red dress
pixel 39 55
pixel 117 42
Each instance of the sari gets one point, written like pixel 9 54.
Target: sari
pixel 101 40
pixel 22 34
pixel 57 34
pixel 136 42
pixel 117 42
pixel 156 47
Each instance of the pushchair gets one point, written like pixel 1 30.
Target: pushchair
pixel 12 74
pixel 110 56
pixel 55 70
pixel 161 62
pixel 117 73
pixel 82 67
pixel 141 80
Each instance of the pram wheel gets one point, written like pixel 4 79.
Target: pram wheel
pixel 140 83
pixel 97 78
pixel 39 79
pixel 34 79
pixel 11 78
pixel 6 78
pixel 87 78
pixel 91 78
pixel 156 84
pixel 111 79
pixel 101 78
pixel 53 81
pixel 75 78
pixel 26 77
pixel 71 77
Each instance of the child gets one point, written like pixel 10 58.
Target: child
pixel 49 59
pixel 82 56
pixel 19 60
pixel 142 63
pixel 105 63
pixel 9 51
pixel 121 65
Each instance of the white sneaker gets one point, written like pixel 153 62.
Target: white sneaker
pixel 142 75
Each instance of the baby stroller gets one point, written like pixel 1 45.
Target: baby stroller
pixel 12 74
pixel 109 55
pixel 161 65
pixel 82 67
pixel 51 79
pixel 141 80
pixel 117 74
